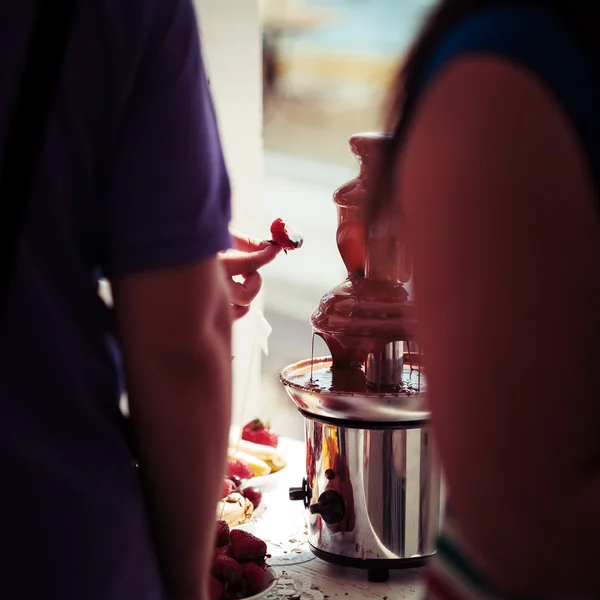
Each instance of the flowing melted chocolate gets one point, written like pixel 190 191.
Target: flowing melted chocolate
pixel 360 318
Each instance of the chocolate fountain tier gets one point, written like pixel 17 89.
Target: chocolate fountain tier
pixel 320 390
pixel 368 323
pixel 366 308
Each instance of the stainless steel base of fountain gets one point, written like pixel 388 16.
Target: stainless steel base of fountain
pixel 372 487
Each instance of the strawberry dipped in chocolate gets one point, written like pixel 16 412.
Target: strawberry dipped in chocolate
pixel 285 236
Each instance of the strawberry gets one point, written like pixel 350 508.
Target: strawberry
pixel 227 570
pixel 254 577
pixel 247 547
pixel 224 550
pixel 258 432
pixel 227 487
pixel 222 537
pixel 284 236
pixel 238 468
pixel 215 588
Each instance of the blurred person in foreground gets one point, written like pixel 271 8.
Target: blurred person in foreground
pixel 131 185
pixel 495 166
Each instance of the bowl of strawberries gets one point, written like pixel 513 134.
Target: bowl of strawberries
pixel 239 569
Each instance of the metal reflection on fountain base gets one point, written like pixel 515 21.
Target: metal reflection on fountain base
pixel 372 492
pixel 384 370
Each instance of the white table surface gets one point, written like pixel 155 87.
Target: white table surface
pixel 282 524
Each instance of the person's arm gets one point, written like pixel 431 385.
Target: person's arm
pixel 166 220
pixel 175 334
pixel 504 226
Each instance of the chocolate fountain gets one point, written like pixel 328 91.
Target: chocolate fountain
pixel 372 486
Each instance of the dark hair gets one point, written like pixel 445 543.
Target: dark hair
pixel 581 21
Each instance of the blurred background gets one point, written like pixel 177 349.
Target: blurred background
pixel 327 66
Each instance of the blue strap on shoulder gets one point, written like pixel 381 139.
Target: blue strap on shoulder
pixel 536 40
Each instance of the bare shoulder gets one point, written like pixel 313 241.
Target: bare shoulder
pixel 489 138
pixel 501 112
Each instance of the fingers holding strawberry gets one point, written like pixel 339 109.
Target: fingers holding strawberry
pixel 247 256
pixel 243 262
pixel 240 263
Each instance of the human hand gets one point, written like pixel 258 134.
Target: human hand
pixel 245 259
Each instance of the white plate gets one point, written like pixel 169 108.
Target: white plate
pixel 269 583
pixel 267 482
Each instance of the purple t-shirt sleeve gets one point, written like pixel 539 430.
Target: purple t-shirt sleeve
pixel 168 195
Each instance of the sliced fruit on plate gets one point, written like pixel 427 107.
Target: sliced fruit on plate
pixel 258 467
pixel 238 467
pixel 259 432
pixel 267 454
pixel 276 462
pixel 235 510
pixel 236 507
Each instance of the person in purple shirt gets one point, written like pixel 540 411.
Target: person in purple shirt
pixel 131 185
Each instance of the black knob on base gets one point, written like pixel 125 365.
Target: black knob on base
pixel 303 493
pixel 296 494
